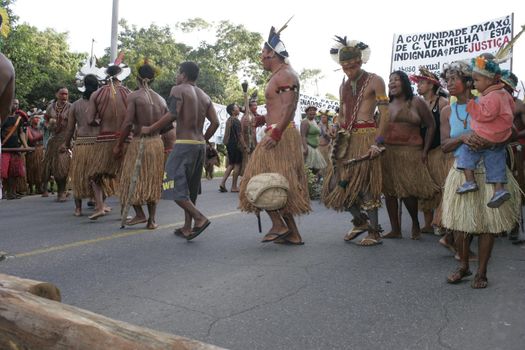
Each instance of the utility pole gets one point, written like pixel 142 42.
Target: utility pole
pixel 114 32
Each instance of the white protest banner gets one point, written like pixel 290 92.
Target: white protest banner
pixel 304 101
pixel 433 49
pixel 320 103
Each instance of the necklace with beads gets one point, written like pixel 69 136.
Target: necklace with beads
pixel 464 121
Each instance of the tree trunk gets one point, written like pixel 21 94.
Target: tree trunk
pixel 41 289
pixel 33 323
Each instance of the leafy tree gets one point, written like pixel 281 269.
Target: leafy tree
pixel 234 55
pixel 43 62
pixel 156 44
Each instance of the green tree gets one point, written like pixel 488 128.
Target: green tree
pixel 156 44
pixel 43 62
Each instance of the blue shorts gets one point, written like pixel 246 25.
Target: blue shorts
pixel 494 159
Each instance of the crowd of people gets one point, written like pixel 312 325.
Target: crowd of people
pixel 443 152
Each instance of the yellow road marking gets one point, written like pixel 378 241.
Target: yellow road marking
pixel 108 238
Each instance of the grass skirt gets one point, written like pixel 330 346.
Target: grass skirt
pixel 149 182
pixel 363 178
pixel 106 164
pixel 314 159
pixel 438 165
pixel 404 175
pixel 469 213
pixel 83 159
pixel 35 165
pixel 326 152
pixel 285 158
pixel 56 163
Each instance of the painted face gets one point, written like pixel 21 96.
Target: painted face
pixel 352 68
pixel 62 94
pixel 266 57
pixel 481 82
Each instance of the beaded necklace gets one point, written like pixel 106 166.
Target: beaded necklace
pixel 464 121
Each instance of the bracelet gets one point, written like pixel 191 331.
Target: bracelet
pixel 276 134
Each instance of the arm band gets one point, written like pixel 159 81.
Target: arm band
pixel 287 88
pixel 382 100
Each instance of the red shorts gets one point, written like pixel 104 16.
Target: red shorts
pixel 12 165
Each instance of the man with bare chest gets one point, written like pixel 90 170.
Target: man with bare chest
pixel 356 186
pixel 145 107
pixel 86 135
pixel 189 106
pixel 280 149
pixel 107 109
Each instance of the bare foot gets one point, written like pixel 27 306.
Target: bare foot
pixel 392 235
pixel 107 209
pixel 182 232
pixel 96 215
pixel 273 236
pixel 479 282
pixel 135 221
pixel 61 197
pixel 458 275
pixel 78 212
pixel 151 225
pixel 45 194
pixel 234 189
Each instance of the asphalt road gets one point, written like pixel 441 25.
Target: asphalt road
pixel 228 289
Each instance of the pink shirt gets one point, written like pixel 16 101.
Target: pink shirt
pixel 492 116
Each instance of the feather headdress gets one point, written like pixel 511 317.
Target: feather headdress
pixel 274 40
pixel 486 65
pixel 509 78
pixel 425 74
pixel 122 70
pixel 345 50
pixel 89 67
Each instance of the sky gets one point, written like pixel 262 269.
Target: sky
pixel 308 37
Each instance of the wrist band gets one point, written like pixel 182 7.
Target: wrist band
pixel 276 134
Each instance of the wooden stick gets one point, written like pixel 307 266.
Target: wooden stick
pixel 18 149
